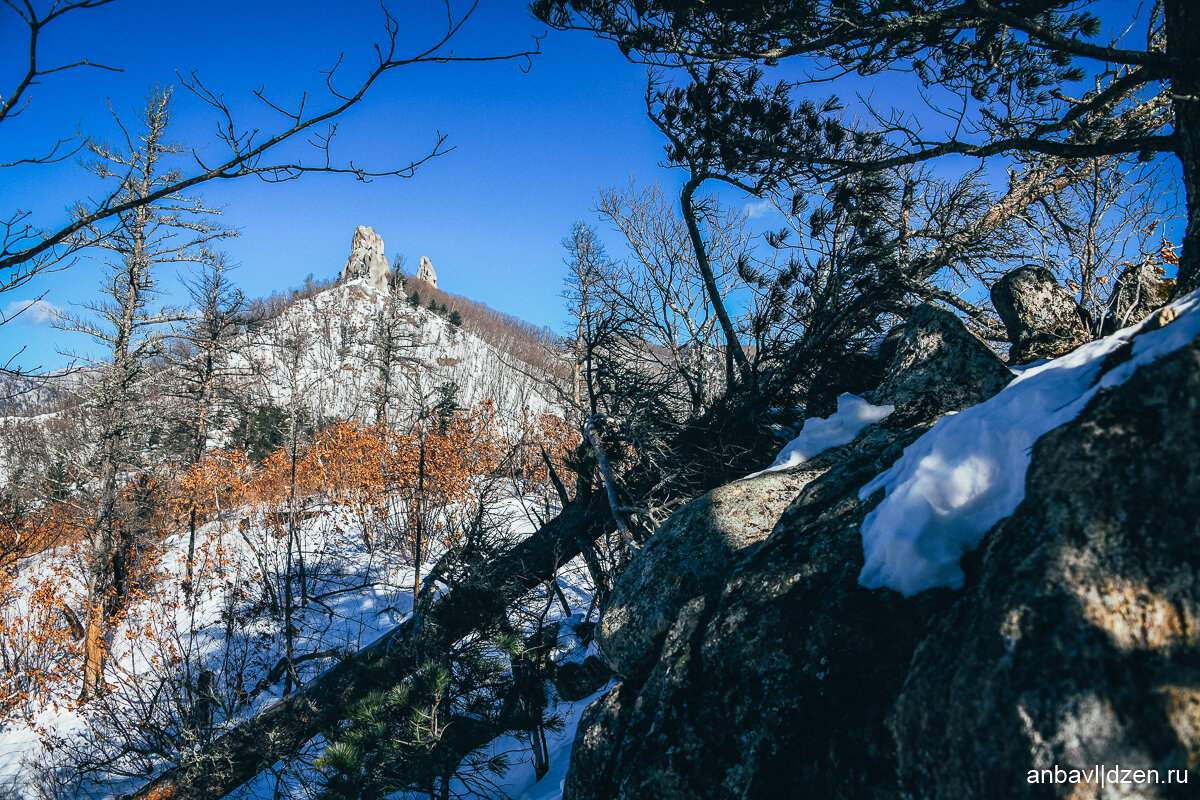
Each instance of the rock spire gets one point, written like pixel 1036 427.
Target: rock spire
pixel 425 272
pixel 367 259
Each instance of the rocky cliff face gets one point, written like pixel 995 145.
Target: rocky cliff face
pixel 756 666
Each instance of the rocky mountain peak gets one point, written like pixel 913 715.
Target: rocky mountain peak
pixel 367 259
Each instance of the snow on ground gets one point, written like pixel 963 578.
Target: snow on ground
pixel 821 433
pixel 520 782
pixel 968 471
pixel 356 595
pixel 323 351
pixel 164 642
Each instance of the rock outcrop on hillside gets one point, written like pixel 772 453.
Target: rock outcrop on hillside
pixel 761 669
pixel 367 260
pixel 425 272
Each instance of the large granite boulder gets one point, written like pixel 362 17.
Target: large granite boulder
pixel 366 259
pixel 741 631
pixel 688 558
pixel 1041 317
pixel 777 685
pixel 934 365
pixel 1077 641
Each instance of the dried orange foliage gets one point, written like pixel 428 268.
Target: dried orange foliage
pixel 542 437
pixel 385 478
pixel 24 534
pixel 37 644
pixel 220 482
pixel 374 471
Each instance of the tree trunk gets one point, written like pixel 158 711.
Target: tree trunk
pixel 191 553
pixel 733 348
pixel 418 532
pixel 93 646
pixel 99 569
pixel 1183 46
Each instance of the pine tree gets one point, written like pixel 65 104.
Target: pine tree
pixel 446 405
pixel 1014 64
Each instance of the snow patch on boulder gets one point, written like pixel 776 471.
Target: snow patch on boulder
pixel 968 471
pixel 821 433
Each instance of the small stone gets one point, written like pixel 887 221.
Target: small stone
pixel 576 681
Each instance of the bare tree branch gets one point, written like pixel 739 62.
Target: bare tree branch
pixel 26 250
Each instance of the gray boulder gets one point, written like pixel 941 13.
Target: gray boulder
pixel 779 684
pixel 1140 289
pixel 1077 641
pixel 935 365
pixel 686 558
pixel 1042 319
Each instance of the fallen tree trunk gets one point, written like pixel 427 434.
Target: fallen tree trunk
pixel 254 745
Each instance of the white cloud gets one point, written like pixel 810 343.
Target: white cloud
pixel 31 312
pixel 760 208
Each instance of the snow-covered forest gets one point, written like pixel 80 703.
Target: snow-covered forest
pixel 860 462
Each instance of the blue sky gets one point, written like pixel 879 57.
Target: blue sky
pixel 531 148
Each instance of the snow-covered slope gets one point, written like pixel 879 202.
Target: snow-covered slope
pixel 326 350
pixel 171 653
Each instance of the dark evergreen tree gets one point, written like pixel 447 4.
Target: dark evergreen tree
pixel 264 431
pixel 447 404
pixel 1015 68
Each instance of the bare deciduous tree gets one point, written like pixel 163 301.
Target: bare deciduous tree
pixel 220 313
pixel 156 228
